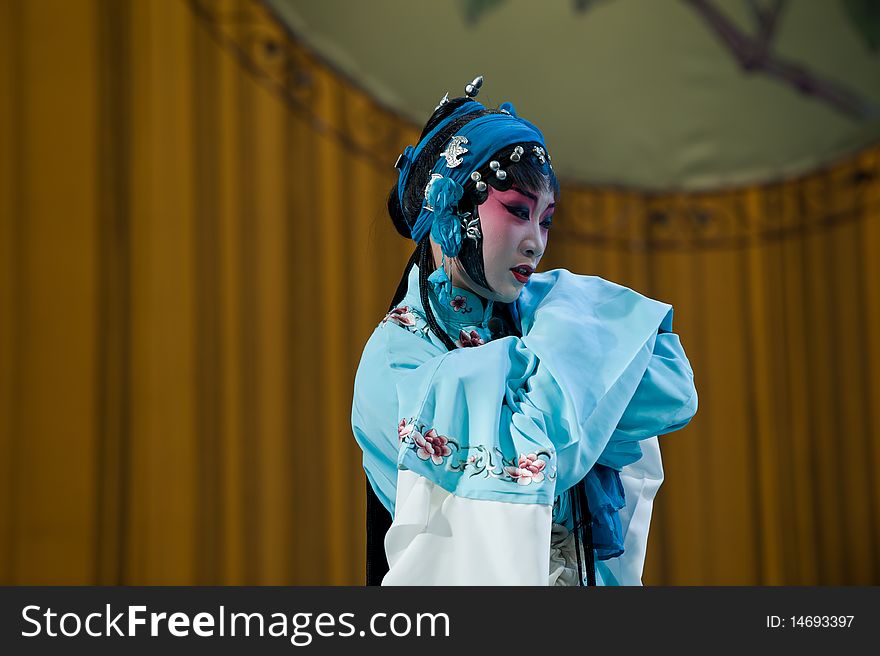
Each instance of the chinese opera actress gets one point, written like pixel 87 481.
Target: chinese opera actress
pixel 508 419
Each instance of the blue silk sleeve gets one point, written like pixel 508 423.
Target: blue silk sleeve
pixel 664 401
pixel 523 419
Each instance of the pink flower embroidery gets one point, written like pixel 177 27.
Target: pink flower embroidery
pixel 458 303
pixel 404 429
pixel 402 316
pixel 432 446
pixel 530 469
pixel 470 339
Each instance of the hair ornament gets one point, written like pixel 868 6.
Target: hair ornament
pixel 472 89
pixel 500 173
pixel 443 101
pixel 427 204
pixel 471 225
pixel 540 154
pixel 404 159
pixel 441 283
pixel 508 108
pixel 441 197
pixel 454 151
pixel 480 133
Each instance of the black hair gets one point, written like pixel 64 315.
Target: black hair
pixel 530 173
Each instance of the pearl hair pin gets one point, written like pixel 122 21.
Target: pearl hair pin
pixel 500 173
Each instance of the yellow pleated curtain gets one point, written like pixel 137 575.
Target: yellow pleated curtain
pixel 194 249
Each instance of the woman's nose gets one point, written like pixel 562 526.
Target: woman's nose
pixel 533 246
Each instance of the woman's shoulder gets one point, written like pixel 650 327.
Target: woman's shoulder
pixel 403 335
pixel 408 317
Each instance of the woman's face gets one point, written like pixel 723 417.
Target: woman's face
pixel 515 225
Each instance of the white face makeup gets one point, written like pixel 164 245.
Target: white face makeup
pixel 515 225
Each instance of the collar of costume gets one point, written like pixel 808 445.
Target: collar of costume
pixel 463 310
pixel 466 151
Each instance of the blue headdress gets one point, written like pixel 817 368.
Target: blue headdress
pixel 465 152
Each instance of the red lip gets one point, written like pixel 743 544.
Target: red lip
pixel 522 272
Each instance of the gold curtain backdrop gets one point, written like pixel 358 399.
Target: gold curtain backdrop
pixel 194 249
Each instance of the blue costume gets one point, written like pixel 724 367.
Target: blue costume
pixel 596 371
pixel 472 450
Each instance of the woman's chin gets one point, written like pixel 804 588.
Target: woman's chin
pixel 506 293
pixel 502 291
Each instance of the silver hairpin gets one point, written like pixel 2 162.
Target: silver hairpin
pixel 472 89
pixel 540 154
pixel 434 176
pixel 471 226
pixel 443 101
pixel 500 173
pixel 516 154
pixel 454 151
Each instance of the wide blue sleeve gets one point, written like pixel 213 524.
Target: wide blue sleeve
pixel 483 422
pixel 518 419
pixel 480 422
pixel 664 401
pixel 524 419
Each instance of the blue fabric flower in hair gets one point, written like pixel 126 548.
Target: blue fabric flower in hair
pixel 442 196
pixel 508 108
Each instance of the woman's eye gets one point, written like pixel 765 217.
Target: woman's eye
pixel 546 223
pixel 520 212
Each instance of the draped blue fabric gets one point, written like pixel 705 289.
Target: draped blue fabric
pixel 522 420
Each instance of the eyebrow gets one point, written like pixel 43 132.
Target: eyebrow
pixel 529 194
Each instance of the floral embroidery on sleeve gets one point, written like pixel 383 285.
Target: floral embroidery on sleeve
pixel 407 317
pixel 404 430
pixel 530 469
pixel 429 445
pixel 433 446
pixel 402 316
